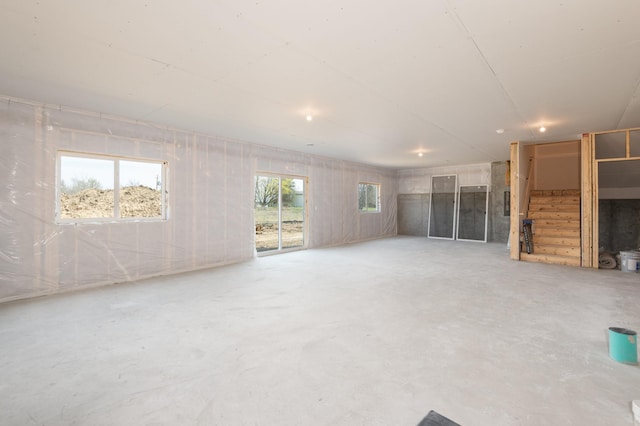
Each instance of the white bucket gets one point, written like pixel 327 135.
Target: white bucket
pixel 630 261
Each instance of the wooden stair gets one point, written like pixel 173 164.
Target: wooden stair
pixel 556 227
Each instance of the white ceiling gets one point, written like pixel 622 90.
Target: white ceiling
pixel 383 79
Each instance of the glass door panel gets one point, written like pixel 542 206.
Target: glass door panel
pixel 279 212
pixel 292 213
pixel 443 207
pixel 472 213
pixel 267 212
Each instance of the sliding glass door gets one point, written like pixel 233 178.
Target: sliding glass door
pixel 279 212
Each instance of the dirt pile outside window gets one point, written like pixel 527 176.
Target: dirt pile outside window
pixel 135 201
pixel 267 235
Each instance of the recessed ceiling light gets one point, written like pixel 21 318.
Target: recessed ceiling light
pixel 420 154
pixel 500 131
pixel 542 129
pixel 309 117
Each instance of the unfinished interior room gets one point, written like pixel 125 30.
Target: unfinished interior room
pixel 333 213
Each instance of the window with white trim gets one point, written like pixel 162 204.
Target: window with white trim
pixel 104 188
pixel 368 197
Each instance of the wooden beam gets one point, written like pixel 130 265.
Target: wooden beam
pixel 587 203
pixel 514 228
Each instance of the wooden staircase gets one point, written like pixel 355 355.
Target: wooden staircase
pixel 556 227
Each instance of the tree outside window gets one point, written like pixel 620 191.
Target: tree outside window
pixel 368 197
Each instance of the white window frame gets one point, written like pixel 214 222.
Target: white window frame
pixel 378 192
pixel 305 227
pixel 116 188
pixel 486 214
pixel 455 207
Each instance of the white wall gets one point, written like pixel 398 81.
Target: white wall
pixel 211 201
pixel 418 181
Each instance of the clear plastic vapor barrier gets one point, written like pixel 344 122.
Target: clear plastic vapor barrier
pixel 89 199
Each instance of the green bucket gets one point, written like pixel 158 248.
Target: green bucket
pixel 623 345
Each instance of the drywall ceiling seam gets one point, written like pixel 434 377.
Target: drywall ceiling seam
pixel 634 95
pixel 382 97
pixel 488 65
pixel 370 90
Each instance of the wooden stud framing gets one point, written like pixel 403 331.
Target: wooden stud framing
pixel 586 200
pixel 588 192
pixel 616 131
pixel 590 189
pixel 595 227
pixel 514 224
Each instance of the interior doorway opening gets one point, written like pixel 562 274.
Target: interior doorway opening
pixel 618 206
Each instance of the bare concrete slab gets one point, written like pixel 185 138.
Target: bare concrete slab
pixel 378 333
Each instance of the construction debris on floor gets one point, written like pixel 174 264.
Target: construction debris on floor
pixel 627 261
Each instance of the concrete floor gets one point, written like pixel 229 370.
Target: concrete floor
pixel 377 333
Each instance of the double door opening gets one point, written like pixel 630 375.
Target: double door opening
pixel 279 212
pixel 457 211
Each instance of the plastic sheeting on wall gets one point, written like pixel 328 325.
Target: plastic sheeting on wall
pixel 210 197
pixel 418 181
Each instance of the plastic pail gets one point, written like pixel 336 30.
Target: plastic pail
pixel 623 345
pixel 630 261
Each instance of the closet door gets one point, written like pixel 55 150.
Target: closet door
pixel 472 213
pixel 442 209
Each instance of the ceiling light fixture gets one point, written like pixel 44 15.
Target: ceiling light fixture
pixel 309 117
pixel 542 129
pixel 500 131
pixel 420 154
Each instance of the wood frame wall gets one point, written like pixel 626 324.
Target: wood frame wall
pixel 587 203
pixel 588 196
pixel 590 183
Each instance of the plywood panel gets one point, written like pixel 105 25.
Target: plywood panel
pixel 557 165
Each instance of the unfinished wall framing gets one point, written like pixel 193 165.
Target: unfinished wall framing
pixel 617 148
pixel 615 190
pixel 210 201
